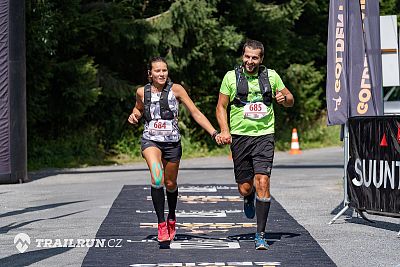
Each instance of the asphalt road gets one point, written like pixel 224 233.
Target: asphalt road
pixel 59 208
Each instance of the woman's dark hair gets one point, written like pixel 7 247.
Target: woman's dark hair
pixel 155 59
pixel 150 66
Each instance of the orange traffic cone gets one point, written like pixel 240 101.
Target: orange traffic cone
pixel 295 147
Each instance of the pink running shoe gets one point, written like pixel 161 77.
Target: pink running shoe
pixel 171 228
pixel 163 232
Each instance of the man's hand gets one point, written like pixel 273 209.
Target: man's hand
pixel 133 118
pixel 280 98
pixel 224 138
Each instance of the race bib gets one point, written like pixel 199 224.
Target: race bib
pixel 256 110
pixel 160 127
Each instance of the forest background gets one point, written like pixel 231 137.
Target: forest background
pixel 85 60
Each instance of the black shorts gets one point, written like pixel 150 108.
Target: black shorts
pixel 171 151
pixel 252 155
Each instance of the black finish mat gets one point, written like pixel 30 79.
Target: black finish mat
pixel 211 231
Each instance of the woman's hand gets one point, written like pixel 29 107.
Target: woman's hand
pixel 133 118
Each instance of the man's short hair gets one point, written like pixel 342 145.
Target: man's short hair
pixel 254 44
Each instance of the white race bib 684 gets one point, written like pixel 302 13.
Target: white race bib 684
pixel 256 110
pixel 160 127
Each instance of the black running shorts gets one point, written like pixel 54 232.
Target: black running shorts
pixel 252 155
pixel 171 151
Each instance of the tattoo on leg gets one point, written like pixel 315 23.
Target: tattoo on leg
pixel 157 177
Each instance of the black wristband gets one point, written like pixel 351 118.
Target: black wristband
pixel 215 133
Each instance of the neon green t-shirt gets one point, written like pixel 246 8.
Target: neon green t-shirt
pixel 238 123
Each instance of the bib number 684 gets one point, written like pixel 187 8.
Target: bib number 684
pixel 160 125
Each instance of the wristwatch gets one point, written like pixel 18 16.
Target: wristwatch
pixel 215 133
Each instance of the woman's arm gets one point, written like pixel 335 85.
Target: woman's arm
pixel 181 94
pixel 137 111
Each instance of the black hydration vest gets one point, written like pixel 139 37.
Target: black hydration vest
pixel 242 86
pixel 165 112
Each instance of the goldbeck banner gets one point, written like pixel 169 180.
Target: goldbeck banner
pixel 5 135
pixel 337 54
pixel 373 170
pixel 354 66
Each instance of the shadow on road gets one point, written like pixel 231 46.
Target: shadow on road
pixel 395 227
pixel 249 237
pixel 348 218
pixel 31 257
pixel 37 208
pixel 12 226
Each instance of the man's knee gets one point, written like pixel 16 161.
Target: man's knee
pixel 262 180
pixel 245 188
pixel 263 186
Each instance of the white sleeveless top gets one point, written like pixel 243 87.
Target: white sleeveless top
pixel 160 130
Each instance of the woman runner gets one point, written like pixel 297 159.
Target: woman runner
pixel 157 102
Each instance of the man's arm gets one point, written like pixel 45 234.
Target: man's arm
pixel 222 117
pixel 285 98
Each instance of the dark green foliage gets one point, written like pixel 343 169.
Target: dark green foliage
pixel 86 58
pixel 306 81
pixel 389 7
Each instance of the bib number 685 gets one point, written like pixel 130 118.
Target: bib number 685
pixel 255 107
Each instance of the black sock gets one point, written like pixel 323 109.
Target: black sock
pixel 158 197
pixel 262 210
pixel 172 197
pixel 252 192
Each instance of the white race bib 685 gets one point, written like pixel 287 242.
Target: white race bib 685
pixel 160 127
pixel 256 110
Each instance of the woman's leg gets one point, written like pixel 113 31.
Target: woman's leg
pixel 152 156
pixel 171 174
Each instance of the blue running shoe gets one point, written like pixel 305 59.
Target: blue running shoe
pixel 260 242
pixel 249 208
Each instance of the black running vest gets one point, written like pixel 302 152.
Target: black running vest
pixel 165 112
pixel 242 86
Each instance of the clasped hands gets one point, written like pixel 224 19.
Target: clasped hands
pixel 223 138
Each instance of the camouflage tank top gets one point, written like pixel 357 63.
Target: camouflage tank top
pixel 160 130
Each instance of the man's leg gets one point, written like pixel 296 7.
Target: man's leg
pixel 263 203
pixel 247 190
pixel 263 156
pixel 243 169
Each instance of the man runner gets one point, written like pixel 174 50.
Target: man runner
pixel 250 89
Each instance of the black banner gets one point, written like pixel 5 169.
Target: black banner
pixel 13 132
pixel 5 165
pixel 365 82
pixel 354 64
pixel 374 57
pixel 337 56
pixel 373 170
